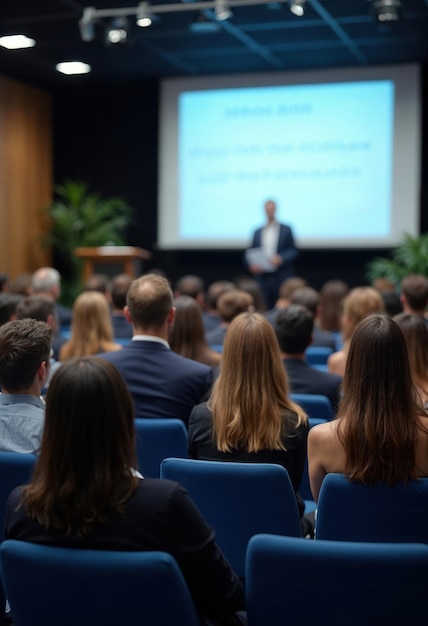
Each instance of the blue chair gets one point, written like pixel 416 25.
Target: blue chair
pixel 158 439
pixel 305 487
pixel 349 511
pixel 332 583
pixel 67 586
pixel 317 355
pixel 238 500
pixel 15 470
pixel 314 404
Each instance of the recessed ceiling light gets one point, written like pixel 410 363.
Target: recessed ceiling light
pixel 16 42
pixel 73 67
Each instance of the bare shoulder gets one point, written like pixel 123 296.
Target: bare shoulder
pixel 336 362
pixel 323 432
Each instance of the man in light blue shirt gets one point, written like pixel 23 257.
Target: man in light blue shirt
pixel 25 347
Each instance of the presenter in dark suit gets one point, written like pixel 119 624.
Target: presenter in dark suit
pixel 276 243
pixel 162 383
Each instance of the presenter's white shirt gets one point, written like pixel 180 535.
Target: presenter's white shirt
pixel 269 240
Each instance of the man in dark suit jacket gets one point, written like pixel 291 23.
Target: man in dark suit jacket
pixel 161 382
pixel 276 241
pixel 294 326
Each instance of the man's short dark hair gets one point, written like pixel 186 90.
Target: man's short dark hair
pixel 190 285
pixel 415 288
pixel 36 308
pixel 307 297
pixel 119 288
pixel 294 326
pixel 150 300
pixel 24 345
pixel 217 289
pixel 8 304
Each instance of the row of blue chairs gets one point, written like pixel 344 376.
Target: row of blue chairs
pixel 288 581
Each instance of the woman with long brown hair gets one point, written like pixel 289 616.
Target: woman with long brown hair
pixel 249 416
pixel 85 491
pixel 381 433
pixel 91 327
pixel 415 333
pixel 187 336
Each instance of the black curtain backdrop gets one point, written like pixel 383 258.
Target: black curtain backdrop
pixel 107 135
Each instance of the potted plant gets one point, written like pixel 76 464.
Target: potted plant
pixel 79 218
pixel 409 257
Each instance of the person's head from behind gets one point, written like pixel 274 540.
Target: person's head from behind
pixel 4 282
pixel 251 286
pixel 294 326
pixel 119 288
pixel 232 303
pixel 91 317
pixel 287 287
pixel 332 294
pixel 307 297
pixel 187 333
pixel 414 293
pixel 379 404
pixel 98 282
pixel 87 458
pixel 357 304
pixel 8 305
pixel 215 290
pixel 415 333
pixel 47 281
pixel 150 303
pixel 37 308
pixel 25 347
pixel 191 285
pixel 251 393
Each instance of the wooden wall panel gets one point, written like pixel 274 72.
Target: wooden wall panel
pixel 25 176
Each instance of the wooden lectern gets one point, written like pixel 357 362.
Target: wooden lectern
pixel 124 259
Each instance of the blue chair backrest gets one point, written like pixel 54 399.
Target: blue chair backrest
pixel 317 355
pixel 238 500
pixel 349 511
pixel 15 470
pixel 314 404
pixel 67 586
pixel 158 439
pixel 305 488
pixel 333 583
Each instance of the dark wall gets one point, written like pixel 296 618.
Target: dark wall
pixel 107 135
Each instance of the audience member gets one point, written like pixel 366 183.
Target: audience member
pixel 120 284
pixel 249 416
pixel 187 335
pixel 46 281
pixel 25 347
pixel 414 294
pixel 229 305
pixel 192 286
pixel 358 303
pixel 42 309
pixel 415 334
pixel 8 304
pixel 98 282
pixel 309 298
pixel 22 284
pixel 211 316
pixel 381 434
pixel 85 492
pixel 332 294
pixel 294 328
pixel 91 327
pixel 392 302
pixel 285 291
pixel 251 286
pixel 162 383
pixel 4 282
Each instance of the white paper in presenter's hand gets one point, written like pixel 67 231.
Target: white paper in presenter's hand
pixel 258 256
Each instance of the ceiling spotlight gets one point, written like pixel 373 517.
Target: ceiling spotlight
pixel 73 67
pixel 222 10
pixel 144 15
pixel 297 7
pixel 117 31
pixel 16 42
pixel 387 10
pixel 86 24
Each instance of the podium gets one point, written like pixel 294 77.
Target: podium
pixel 112 260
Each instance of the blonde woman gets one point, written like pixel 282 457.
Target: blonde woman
pixel 91 327
pixel 357 304
pixel 249 416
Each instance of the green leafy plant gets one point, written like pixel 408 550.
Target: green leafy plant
pixel 82 218
pixel 409 257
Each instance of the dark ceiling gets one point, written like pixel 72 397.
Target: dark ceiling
pixel 260 38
